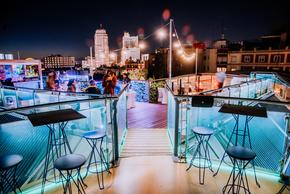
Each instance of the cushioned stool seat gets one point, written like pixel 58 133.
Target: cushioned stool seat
pixel 66 164
pixel 8 166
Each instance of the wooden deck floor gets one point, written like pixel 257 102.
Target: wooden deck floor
pixel 146 142
pixel 146 115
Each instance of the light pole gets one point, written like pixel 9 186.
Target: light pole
pixel 91 61
pixel 170 47
pixel 196 56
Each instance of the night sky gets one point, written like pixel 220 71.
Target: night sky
pixel 37 29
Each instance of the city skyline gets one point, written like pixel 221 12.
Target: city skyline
pixel 64 28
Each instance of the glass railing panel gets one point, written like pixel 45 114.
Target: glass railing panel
pixel 8 98
pixel 45 97
pixel 267 134
pixel 122 118
pixel 31 142
pixel 171 108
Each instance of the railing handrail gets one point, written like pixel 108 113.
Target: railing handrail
pixel 276 75
pixel 54 91
pixel 5 111
pixel 233 98
pixel 212 74
pixel 233 86
pixel 103 97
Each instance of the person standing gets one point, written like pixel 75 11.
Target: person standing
pixel 71 86
pixel 114 83
pixel 220 78
pixel 126 78
pixel 92 89
pixel 50 82
pixel 109 82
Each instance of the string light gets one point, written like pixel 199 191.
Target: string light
pixel 181 52
pixel 142 45
pixel 176 45
pixel 161 33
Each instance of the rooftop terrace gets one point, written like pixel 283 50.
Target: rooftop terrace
pixel 150 146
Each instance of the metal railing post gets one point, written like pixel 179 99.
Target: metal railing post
pixel 115 132
pixel 176 128
pixel 286 142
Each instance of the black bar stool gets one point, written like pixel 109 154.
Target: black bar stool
pixel 201 152
pixel 8 167
pixel 65 165
pixel 97 156
pixel 240 157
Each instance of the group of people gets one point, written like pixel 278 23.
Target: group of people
pixel 109 83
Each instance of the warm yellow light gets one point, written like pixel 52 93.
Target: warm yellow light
pixel 113 55
pixel 180 51
pixel 176 44
pixel 161 34
pixel 142 45
pixel 188 58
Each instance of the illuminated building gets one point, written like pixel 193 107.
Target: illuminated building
pixel 58 62
pixel 130 48
pixel 259 60
pixel 101 48
pixel 88 62
pixel 6 56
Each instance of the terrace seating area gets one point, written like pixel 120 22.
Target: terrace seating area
pixel 228 140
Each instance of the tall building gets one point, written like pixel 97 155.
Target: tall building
pixel 130 48
pixel 58 62
pixel 101 48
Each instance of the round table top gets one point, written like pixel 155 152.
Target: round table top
pixel 69 162
pixel 94 134
pixel 240 153
pixel 8 161
pixel 202 131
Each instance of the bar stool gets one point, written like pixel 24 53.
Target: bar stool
pixel 202 135
pixel 65 165
pixel 97 156
pixel 8 165
pixel 240 157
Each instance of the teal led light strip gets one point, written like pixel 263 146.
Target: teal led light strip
pixel 51 186
pixel 260 173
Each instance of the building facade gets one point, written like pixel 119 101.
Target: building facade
pixel 101 48
pixel 130 48
pixel 158 63
pixel 210 60
pixel 58 62
pixel 88 62
pixel 6 56
pixel 259 60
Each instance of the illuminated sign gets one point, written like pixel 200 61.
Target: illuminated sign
pixel 31 70
pixel 18 72
pixel 5 72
